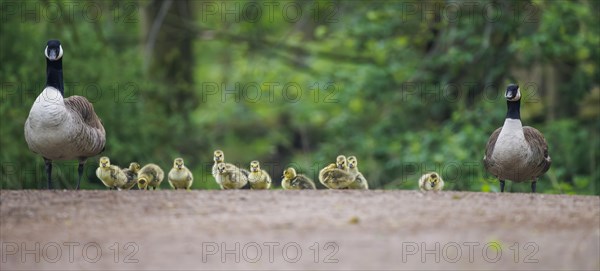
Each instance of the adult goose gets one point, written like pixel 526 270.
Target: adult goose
pixel 514 152
pixel 62 129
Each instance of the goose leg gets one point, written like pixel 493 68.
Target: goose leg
pixel 80 173
pixel 533 185
pixel 48 163
pixel 502 186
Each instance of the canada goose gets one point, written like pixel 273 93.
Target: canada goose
pixel 62 129
pixel 180 177
pixel 150 175
pixel 431 181
pixel 231 177
pixel 293 181
pixel 258 178
pixel 336 176
pixel 131 173
pixel 359 181
pixel 514 152
pixel 110 175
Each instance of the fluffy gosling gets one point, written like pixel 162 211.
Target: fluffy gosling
pixel 110 175
pixel 258 178
pixel 218 157
pixel 293 181
pixel 336 176
pixel 230 177
pixel 431 181
pixel 150 175
pixel 131 173
pixel 180 177
pixel 359 180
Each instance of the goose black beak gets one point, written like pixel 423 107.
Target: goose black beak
pixel 53 54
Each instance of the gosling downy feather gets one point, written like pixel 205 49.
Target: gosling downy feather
pixel 431 181
pixel 110 175
pixel 131 173
pixel 258 178
pixel 59 128
pixel 231 177
pixel 150 175
pixel 514 152
pixel 218 157
pixel 180 177
pixel 336 176
pixel 293 181
pixel 359 182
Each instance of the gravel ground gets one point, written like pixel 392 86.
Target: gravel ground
pixel 324 230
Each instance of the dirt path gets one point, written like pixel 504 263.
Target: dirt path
pixel 62 230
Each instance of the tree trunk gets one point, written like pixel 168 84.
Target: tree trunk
pixel 168 48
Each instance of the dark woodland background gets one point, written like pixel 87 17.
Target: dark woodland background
pixel 406 86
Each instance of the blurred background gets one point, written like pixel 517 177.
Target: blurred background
pixel 406 86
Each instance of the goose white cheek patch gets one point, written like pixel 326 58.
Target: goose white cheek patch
pixel 60 52
pixel 517 97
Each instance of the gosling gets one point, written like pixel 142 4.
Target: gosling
pixel 180 177
pixel 150 175
pixel 231 177
pixel 293 181
pixel 359 180
pixel 218 157
pixel 110 175
pixel 258 178
pixel 336 176
pixel 131 173
pixel 431 181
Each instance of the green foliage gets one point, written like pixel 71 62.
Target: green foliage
pixel 404 88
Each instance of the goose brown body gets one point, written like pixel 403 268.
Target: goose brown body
pixel 64 129
pixel 532 163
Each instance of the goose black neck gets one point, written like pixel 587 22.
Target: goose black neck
pixel 54 75
pixel 514 109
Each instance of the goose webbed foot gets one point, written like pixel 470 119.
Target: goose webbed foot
pixel 502 183
pixel 533 186
pixel 48 164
